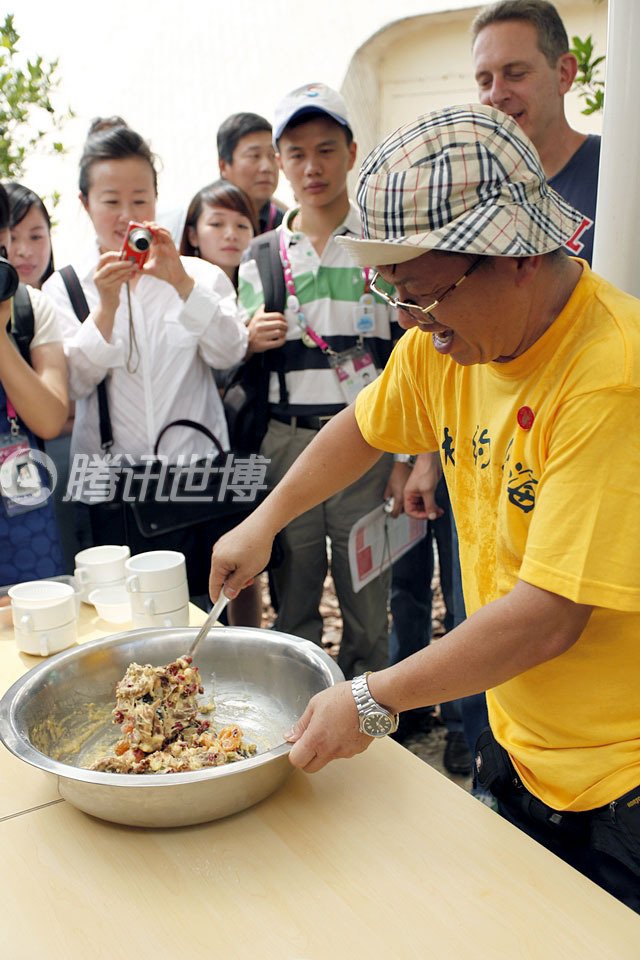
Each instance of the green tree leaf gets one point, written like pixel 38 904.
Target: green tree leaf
pixel 28 118
pixel 590 88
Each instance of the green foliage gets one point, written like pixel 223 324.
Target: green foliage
pixel 590 88
pixel 27 117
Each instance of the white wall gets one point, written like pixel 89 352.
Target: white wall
pixel 174 76
pixel 422 63
pixel 175 71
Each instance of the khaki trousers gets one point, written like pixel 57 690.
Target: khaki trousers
pixel 299 580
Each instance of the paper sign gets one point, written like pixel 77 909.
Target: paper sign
pixel 377 540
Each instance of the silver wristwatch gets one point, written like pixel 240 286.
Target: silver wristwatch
pixel 374 720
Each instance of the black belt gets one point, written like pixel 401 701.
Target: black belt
pixel 307 423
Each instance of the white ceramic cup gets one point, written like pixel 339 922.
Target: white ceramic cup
pixel 113 604
pixel 101 565
pixel 154 571
pixel 161 601
pixel 173 618
pixel 88 587
pixel 42 605
pixel 42 643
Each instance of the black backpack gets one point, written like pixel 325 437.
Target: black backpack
pixel 23 329
pixel 246 395
pixel 23 322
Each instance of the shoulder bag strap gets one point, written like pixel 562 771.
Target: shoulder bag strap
pixel 195 426
pixel 81 310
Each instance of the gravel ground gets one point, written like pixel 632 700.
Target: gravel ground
pixel 429 747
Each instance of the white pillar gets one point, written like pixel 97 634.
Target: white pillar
pixel 616 252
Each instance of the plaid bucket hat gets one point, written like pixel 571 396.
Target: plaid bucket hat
pixel 465 179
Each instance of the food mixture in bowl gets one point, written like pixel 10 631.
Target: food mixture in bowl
pixel 157 710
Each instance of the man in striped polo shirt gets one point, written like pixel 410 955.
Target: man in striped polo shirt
pixel 339 336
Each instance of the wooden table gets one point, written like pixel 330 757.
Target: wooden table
pixel 379 856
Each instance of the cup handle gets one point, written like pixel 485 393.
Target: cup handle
pixel 150 606
pixel 82 575
pixel 132 584
pixel 168 621
pixel 26 622
pixel 44 645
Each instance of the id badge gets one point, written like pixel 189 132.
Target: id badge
pixel 354 369
pixel 365 319
pixel 21 487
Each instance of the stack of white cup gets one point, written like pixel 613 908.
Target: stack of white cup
pixel 101 566
pixel 157 585
pixel 44 616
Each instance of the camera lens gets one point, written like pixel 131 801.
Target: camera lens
pixel 8 280
pixel 140 239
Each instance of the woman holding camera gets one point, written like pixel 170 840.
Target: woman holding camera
pixel 153 332
pixel 33 404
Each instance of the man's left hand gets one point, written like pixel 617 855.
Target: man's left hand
pixel 395 487
pixel 327 730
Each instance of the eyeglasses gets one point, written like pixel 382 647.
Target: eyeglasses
pixel 409 306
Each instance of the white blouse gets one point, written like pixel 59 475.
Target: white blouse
pixel 169 377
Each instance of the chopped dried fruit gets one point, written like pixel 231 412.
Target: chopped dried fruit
pixel 164 735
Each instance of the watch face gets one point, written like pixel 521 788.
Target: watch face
pixel 377 724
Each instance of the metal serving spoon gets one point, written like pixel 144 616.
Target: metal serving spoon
pixel 216 610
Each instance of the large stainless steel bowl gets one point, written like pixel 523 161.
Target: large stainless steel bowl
pixel 260 679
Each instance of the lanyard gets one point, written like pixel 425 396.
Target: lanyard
pixel 294 303
pixel 272 216
pixel 12 416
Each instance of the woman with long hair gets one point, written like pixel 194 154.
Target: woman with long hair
pixel 33 406
pixel 219 226
pixel 30 228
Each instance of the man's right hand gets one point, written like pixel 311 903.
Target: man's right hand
pixel 239 556
pixel 266 331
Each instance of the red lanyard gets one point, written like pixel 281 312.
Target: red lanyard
pixel 292 301
pixel 294 304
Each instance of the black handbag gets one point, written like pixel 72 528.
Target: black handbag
pixel 168 497
pixel 165 498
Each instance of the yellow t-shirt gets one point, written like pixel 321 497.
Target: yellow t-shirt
pixel 542 462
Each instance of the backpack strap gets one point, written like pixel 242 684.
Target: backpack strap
pixel 23 322
pixel 81 310
pixel 265 250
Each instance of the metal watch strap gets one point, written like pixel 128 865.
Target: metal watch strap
pixel 365 702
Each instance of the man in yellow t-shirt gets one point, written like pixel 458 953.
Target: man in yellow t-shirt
pixel 529 387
